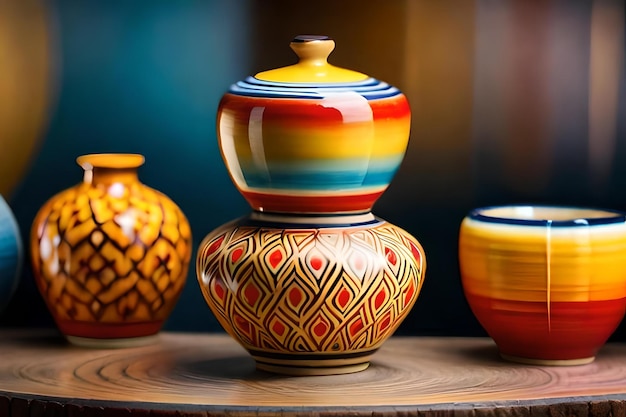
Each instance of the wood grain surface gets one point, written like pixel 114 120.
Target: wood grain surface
pixel 201 374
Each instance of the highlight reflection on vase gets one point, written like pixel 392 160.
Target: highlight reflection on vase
pixel 311 282
pixel 110 255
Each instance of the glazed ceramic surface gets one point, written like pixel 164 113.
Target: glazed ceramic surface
pixel 313 137
pixel 323 296
pixel 547 283
pixel 11 254
pixel 110 255
pixel 311 282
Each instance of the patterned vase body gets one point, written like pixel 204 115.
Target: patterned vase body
pixel 110 255
pixel 11 254
pixel 311 282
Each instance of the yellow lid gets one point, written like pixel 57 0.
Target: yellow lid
pixel 312 66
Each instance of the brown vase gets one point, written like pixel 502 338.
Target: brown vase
pixel 110 255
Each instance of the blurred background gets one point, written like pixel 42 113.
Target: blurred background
pixel 513 101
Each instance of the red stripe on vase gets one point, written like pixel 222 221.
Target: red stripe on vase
pixel 307 114
pixel 96 330
pixel 520 328
pixel 311 204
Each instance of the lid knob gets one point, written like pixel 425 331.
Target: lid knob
pixel 312 66
pixel 312 49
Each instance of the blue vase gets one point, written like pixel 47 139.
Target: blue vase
pixel 11 254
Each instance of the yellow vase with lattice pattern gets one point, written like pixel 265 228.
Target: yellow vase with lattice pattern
pixel 110 255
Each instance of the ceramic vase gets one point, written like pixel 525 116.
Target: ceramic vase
pixel 548 284
pixel 11 254
pixel 311 281
pixel 110 255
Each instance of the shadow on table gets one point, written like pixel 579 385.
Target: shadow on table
pixel 234 367
pixel 38 337
pixel 485 355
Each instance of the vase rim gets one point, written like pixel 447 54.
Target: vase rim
pixel 110 160
pixel 541 215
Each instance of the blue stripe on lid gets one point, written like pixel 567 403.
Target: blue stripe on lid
pixel 369 88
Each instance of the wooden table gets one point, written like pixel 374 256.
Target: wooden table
pixel 201 374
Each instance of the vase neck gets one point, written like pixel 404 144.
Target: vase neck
pixel 110 168
pixel 109 176
pixel 314 220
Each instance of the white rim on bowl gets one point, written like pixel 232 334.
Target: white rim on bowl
pixel 538 215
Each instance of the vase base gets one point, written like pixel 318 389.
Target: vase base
pixel 113 343
pixel 312 364
pixel 548 362
pixel 312 370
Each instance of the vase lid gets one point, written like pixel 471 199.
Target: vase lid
pixel 312 76
pixel 312 65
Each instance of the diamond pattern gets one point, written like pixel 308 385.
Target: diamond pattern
pixel 307 290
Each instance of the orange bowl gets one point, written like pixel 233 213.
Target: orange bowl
pixel 547 283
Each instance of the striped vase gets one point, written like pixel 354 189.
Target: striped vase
pixel 547 283
pixel 311 282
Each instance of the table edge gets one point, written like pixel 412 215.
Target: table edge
pixel 8 400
